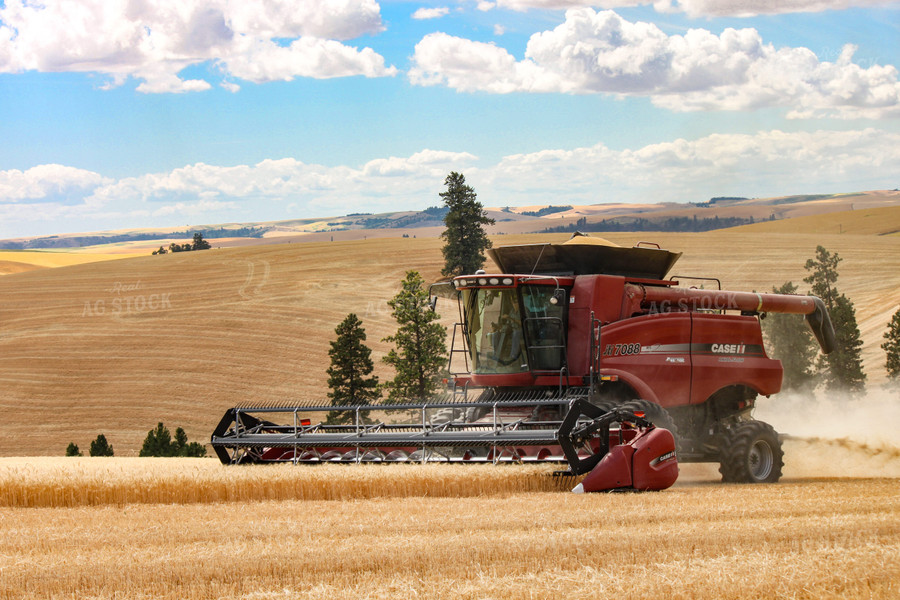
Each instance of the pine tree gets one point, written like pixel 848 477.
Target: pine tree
pixel 791 341
pixel 464 237
pixel 199 243
pixel 351 365
pixel 842 368
pixel 72 450
pixel 157 443
pixel 420 353
pixel 891 347
pixel 100 447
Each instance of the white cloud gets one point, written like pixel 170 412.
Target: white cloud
pixel 742 8
pixel 430 13
pixel 601 52
pixel 155 41
pixel 700 8
pixel 768 163
pixel 47 183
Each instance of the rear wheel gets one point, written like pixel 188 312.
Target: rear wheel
pixel 752 454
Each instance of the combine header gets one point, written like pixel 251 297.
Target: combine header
pixel 582 353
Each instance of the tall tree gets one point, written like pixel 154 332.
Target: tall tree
pixel 791 341
pixel 842 369
pixel 420 354
pixel 464 237
pixel 351 365
pixel 891 347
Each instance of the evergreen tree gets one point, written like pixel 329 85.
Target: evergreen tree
pixel 72 450
pixel 351 365
pixel 891 347
pixel 199 242
pixel 791 341
pixel 420 355
pixel 464 237
pixel 842 368
pixel 158 442
pixel 100 447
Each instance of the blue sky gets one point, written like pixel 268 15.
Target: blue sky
pixel 129 113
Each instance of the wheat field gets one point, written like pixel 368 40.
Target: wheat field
pixel 806 538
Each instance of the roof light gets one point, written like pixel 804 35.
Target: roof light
pixel 482 281
pixel 507 281
pixel 495 281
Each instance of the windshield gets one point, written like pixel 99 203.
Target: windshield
pixel 495 330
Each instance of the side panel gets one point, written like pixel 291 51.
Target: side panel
pixel 652 354
pixel 728 350
pixel 601 294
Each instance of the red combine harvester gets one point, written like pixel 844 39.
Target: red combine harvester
pixel 581 352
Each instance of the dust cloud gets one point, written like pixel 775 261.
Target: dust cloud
pixel 837 435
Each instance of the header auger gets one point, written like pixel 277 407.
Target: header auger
pixel 582 353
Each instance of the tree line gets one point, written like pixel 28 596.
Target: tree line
pixel 670 224
pixel 791 341
pixel 198 244
pixel 159 442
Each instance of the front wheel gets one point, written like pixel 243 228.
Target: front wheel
pixel 752 454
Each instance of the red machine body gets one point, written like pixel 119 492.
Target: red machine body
pixel 589 314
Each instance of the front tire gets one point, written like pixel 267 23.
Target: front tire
pixel 752 454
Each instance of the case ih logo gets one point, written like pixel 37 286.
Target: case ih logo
pixel 728 348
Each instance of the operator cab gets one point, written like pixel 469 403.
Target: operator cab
pixel 515 323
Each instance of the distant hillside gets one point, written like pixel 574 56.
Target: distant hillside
pixel 716 213
pixel 81 240
pixel 868 221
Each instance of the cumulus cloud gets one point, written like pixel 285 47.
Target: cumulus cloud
pixel 768 163
pixel 154 41
pixel 46 183
pixel 430 13
pixel 700 8
pixel 600 52
pixel 764 164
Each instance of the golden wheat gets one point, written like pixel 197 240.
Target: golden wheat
pixel 73 482
pixel 813 539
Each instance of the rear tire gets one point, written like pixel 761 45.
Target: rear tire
pixel 752 454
